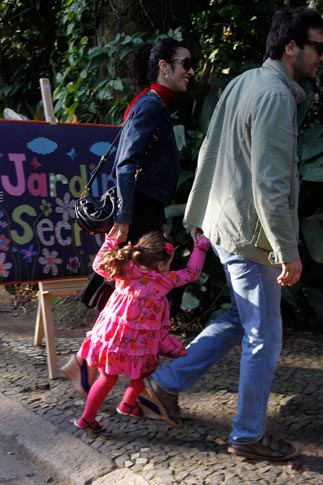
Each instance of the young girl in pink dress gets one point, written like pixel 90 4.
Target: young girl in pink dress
pixel 133 328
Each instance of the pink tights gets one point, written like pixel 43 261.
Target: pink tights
pixel 129 400
pixel 100 389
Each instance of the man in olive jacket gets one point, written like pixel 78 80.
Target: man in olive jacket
pixel 245 199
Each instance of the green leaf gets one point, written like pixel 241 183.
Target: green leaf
pixel 312 171
pixel 117 84
pixel 303 107
pixel 291 294
pixel 172 211
pixel 310 143
pixel 175 210
pixel 315 299
pixel 184 176
pixel 207 109
pixel 312 229
pixel 189 301
pixel 179 132
pixel 97 51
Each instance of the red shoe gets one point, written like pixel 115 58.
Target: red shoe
pixel 134 411
pixel 93 426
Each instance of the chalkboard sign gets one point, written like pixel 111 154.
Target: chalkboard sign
pixel 43 169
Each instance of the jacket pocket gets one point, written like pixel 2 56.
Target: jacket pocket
pixel 259 238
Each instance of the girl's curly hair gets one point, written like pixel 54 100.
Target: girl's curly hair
pixel 151 249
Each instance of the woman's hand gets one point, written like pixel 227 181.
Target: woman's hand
pixel 119 232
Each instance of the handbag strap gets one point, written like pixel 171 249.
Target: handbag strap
pixel 103 159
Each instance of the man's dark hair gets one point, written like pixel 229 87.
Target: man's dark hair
pixel 291 24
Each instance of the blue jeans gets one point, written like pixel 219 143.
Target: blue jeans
pixel 254 321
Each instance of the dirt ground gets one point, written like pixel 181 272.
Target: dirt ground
pixel 18 312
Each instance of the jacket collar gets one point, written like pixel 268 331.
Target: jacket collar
pixel 280 69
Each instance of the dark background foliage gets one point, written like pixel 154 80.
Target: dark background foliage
pixel 82 47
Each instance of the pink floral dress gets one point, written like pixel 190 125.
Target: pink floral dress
pixel 133 328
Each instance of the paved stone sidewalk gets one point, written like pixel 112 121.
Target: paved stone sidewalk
pixel 139 451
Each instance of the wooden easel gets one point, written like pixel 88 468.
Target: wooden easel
pixel 44 320
pixel 51 288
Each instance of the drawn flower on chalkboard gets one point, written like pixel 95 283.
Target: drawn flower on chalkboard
pixel 73 264
pixel 4 267
pixel 91 259
pixel 46 207
pixel 4 243
pixel 66 206
pixel 28 253
pixel 3 223
pixel 50 261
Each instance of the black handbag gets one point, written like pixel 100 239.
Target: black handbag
pixel 96 214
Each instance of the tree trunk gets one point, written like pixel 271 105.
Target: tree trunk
pixel 145 16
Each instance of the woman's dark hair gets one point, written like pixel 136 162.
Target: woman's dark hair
pixel 291 24
pixel 143 61
pixel 151 248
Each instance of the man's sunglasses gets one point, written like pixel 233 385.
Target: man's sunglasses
pixel 318 46
pixel 187 63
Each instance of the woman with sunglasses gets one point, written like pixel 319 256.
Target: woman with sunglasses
pixel 146 164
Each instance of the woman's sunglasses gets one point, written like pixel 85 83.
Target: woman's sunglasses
pixel 187 63
pixel 318 46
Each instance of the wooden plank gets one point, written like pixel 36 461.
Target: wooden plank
pixel 44 320
pixel 49 331
pixel 39 328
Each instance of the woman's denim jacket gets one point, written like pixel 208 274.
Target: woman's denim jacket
pixel 147 157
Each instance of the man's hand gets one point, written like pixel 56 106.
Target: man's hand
pixel 291 273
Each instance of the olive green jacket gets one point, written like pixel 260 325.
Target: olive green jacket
pixel 246 187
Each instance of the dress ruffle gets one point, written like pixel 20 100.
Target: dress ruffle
pixel 133 329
